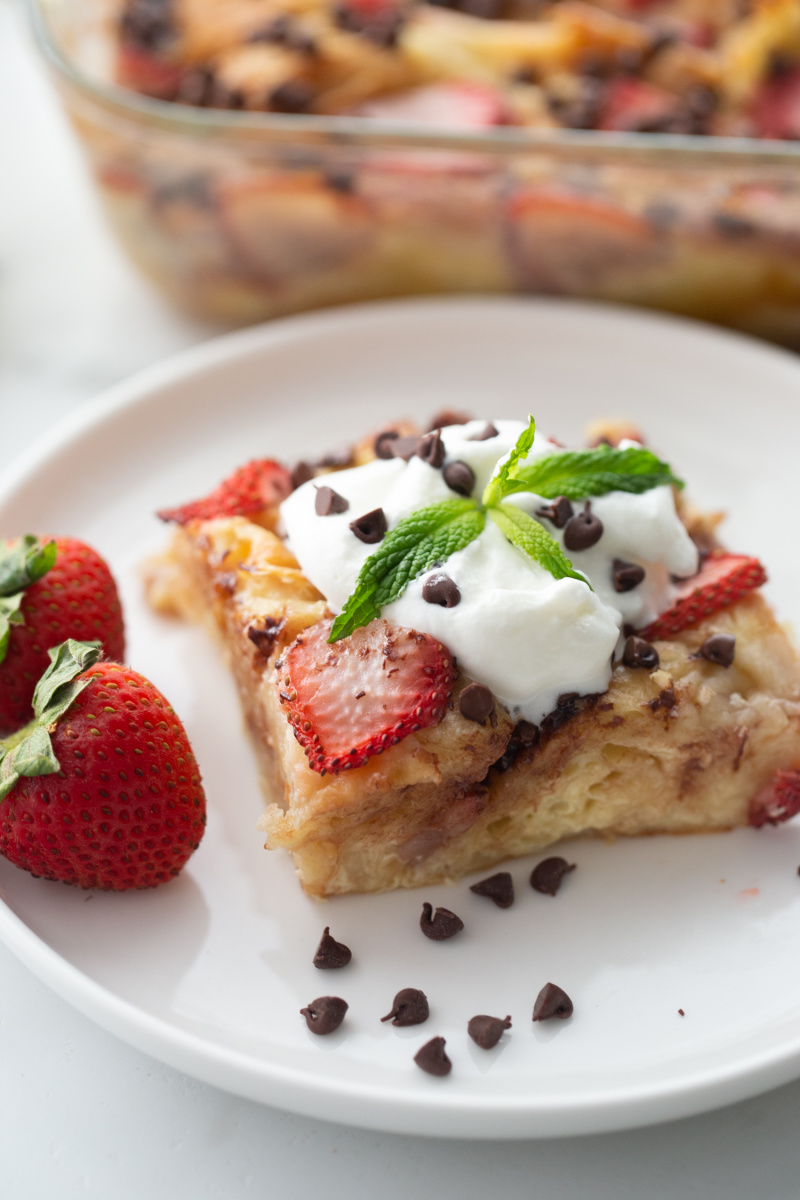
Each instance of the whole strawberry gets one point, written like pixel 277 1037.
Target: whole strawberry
pixel 48 593
pixel 101 789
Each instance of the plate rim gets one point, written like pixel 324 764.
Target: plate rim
pixel 454 1115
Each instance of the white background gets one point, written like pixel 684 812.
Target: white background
pixel 81 1114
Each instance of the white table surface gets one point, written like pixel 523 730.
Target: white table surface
pixel 81 1114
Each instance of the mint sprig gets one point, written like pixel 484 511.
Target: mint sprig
pixel 428 537
pixel 21 563
pixel 29 752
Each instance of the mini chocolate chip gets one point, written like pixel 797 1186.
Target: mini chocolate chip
pixel 430 449
pixel 291 96
pixel 301 473
pixel 639 653
pixel 441 589
pixel 666 698
pixel 338 179
pixel 559 512
pixel 432 1058
pixel 459 477
pixel 371 527
pixel 325 1014
pixel 196 87
pixel 552 1001
pixel 733 226
pixel 265 636
pixel 448 416
pixel 383 443
pixel 328 501
pixel 489 431
pixel 499 887
pixel 441 925
pixel 546 877
pixel 487 1031
pixel 410 1007
pixel 330 954
pixel 719 648
pixel 626 575
pixel 681 1013
pixel 583 530
pixel 405 447
pixel 476 703
pixel 662 214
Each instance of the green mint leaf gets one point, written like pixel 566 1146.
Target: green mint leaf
pixel 425 538
pixel 534 540
pixel 59 686
pixel 10 614
pixel 498 486
pixel 577 474
pixel 30 756
pixel 23 562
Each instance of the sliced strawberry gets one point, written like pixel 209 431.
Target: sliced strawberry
pixel 352 699
pixel 722 580
pixel 449 105
pixel 633 104
pixel 779 801
pixel 776 107
pixel 142 71
pixel 257 485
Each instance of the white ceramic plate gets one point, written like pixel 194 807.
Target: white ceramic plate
pixel 208 973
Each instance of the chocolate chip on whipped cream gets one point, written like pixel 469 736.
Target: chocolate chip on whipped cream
pixel 448 416
pixel 548 875
pixel 330 954
pixel 430 449
pixel 719 648
pixel 325 1014
pixel 559 512
pixel 489 431
pixel 383 444
pixel 499 887
pixel 459 477
pixel 583 530
pixel 476 703
pixel 441 925
pixel 440 589
pixel 371 527
pixel 552 1001
pixel 487 1031
pixel 432 1058
pixel 409 1007
pixel 639 653
pixel 328 501
pixel 626 575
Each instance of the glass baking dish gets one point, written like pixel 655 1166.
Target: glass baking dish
pixel 242 216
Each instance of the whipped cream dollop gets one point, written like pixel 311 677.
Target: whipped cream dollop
pixel 527 636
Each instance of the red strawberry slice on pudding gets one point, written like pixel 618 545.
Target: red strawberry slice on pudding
pixel 354 698
pixel 633 105
pixel 776 107
pixel 142 71
pixel 449 105
pixel 257 485
pixel 721 581
pixel 779 801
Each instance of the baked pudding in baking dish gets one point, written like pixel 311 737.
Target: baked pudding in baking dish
pixel 464 645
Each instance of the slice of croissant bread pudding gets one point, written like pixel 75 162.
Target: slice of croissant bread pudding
pixel 456 647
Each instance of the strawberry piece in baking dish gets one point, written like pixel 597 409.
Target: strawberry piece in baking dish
pixel 449 105
pixel 776 108
pixel 144 72
pixel 633 105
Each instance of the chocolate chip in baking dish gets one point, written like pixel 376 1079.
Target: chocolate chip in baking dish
pixel 559 512
pixel 720 648
pixel 430 449
pixel 476 703
pixel 371 527
pixel 327 501
pixel 487 1031
pixel 265 635
pixel 583 530
pixel 626 575
pixel 488 432
pixel 432 1058
pixel 196 87
pixel 459 477
pixel 330 954
pixel 552 1001
pixel 147 24
pixel 383 443
pixel 291 96
pixel 339 179
pixel 548 875
pixel 226 97
pixel 440 589
pixel 409 1007
pixel 448 416
pixel 325 1014
pixel 499 887
pixel 666 699
pixel 639 653
pixel 441 925
pixel 731 225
